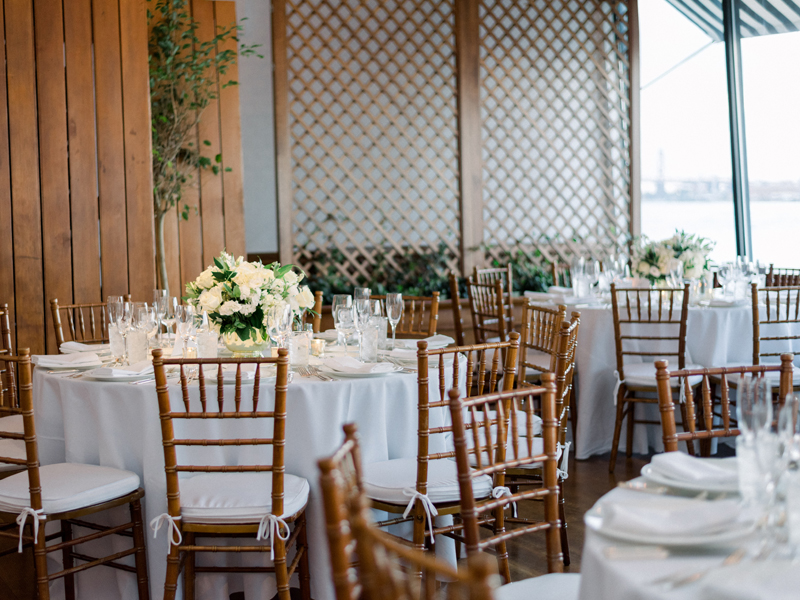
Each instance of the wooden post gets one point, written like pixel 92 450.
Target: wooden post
pixel 283 157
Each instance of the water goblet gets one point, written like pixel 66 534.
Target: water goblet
pixel 340 300
pixel 184 317
pixel 160 300
pixel 394 310
pixel 346 323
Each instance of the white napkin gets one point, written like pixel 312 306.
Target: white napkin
pixel 55 361
pixel 559 289
pixel 72 347
pixel 773 579
pixel 682 467
pixel 141 368
pixel 331 335
pixel 348 364
pixel 720 302
pixel 539 296
pixel 648 514
pixel 434 342
pixel 401 354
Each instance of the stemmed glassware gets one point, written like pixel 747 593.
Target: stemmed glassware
pixel 170 310
pixel 279 323
pixel 363 312
pixel 184 317
pixel 394 311
pixel 124 324
pixel 147 321
pixel 160 303
pixel 341 301
pixel 114 308
pixel 345 323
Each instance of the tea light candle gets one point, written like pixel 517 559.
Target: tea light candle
pixel 317 347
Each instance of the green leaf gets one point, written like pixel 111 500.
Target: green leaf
pixel 206 143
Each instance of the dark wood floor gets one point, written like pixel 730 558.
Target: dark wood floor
pixel 588 480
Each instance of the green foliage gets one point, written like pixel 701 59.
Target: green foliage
pixel 417 273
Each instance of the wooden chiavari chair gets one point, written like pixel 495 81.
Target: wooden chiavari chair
pixel 643 309
pixel 772 326
pixel 432 475
pixel 264 498
pixel 420 316
pixel 484 452
pixel 537 343
pixel 565 347
pixel 367 563
pixel 66 492
pixel 705 415
pixel 340 482
pixel 486 308
pixel 87 323
pixel 10 411
pixel 455 298
pixel 505 276
pixel 782 277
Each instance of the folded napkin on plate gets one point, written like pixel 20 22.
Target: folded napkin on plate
pixel 401 353
pixel 558 289
pixel 647 514
pixel 348 364
pixel 719 302
pixel 682 467
pixel 77 359
pixel 539 296
pixel 73 347
pixel 773 579
pixel 434 342
pixel 141 368
pixel 330 335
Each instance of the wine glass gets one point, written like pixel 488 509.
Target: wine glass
pixel 394 310
pixel 753 405
pixel 345 322
pixel 676 273
pixel 279 323
pixel 170 309
pixel 340 300
pixel 146 320
pixel 124 323
pixel 160 300
pixel 184 317
pixel 113 308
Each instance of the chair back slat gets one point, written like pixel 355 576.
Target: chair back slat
pixel 635 310
pixel 491 459
pixel 193 369
pixel 455 298
pixel 86 323
pixel 505 276
pixel 781 311
pixel 488 379
pixel 567 345
pixel 420 318
pixel 709 418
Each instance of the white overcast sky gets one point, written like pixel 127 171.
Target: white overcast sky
pixel 685 114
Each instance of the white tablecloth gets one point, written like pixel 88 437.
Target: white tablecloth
pixel 715 337
pixel 117 425
pixel 631 578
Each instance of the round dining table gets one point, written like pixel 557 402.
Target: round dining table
pixel 117 424
pixel 737 570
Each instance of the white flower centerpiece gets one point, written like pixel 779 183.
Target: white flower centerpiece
pixel 655 260
pixel 237 296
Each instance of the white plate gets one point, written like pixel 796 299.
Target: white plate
pixel 73 367
pixel 120 378
pixel 330 335
pixel 694 486
pixel 328 371
pixel 736 531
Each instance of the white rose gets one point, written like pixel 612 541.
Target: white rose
pixel 244 290
pixel 278 285
pixel 230 307
pixel 643 268
pixel 247 309
pixel 305 299
pixel 655 272
pixel 291 278
pixel 209 300
pixel 292 291
pixel 269 275
pixel 206 279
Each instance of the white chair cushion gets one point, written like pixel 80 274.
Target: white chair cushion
pixel 553 586
pixel 12 424
pixel 644 374
pixel 68 486
pixel 12 449
pixel 386 481
pixel 238 497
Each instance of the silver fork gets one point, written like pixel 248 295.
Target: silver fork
pixel 315 372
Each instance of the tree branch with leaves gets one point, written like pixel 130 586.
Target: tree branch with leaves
pixel 186 74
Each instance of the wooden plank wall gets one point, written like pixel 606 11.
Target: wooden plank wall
pixel 75 161
pixel 218 222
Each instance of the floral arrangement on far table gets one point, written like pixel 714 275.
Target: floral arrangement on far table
pixel 237 294
pixel 655 260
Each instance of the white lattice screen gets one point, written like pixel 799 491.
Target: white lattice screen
pixel 555 116
pixel 368 127
pixel 372 117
